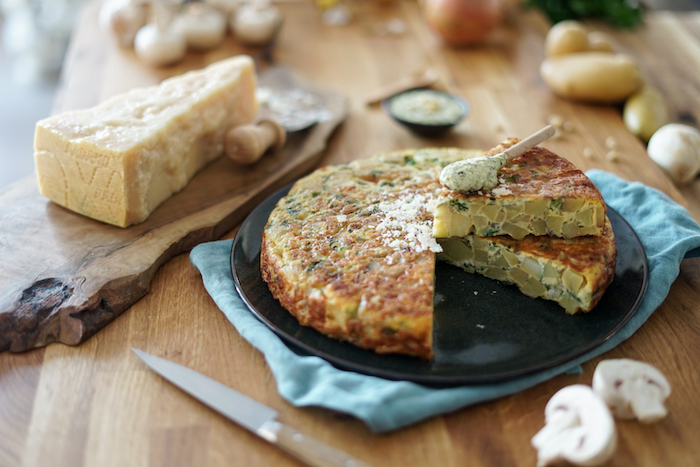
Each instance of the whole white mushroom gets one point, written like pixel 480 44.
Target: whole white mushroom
pixel 124 18
pixel 675 147
pixel 256 23
pixel 159 43
pixel 579 428
pixel 203 26
pixel 159 47
pixel 227 7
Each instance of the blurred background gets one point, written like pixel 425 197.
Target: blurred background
pixel 34 35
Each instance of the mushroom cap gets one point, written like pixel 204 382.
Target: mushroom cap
pixel 203 26
pixel 159 48
pixel 579 428
pixel 227 7
pixel 256 24
pixel 632 389
pixel 124 18
pixel 675 147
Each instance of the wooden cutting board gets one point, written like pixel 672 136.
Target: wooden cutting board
pixel 65 276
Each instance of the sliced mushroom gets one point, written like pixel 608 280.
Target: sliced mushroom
pixel 579 428
pixel 632 389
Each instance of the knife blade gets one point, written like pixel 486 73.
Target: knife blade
pixel 249 413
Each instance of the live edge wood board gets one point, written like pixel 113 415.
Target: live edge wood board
pixel 65 276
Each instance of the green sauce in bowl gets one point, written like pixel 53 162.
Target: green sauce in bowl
pixel 425 111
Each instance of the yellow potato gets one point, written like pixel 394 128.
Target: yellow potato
pixel 645 112
pixel 600 41
pixel 566 37
pixel 599 77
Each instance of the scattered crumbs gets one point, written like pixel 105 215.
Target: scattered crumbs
pixel 557 133
pixel 494 292
pixel 501 191
pixel 612 156
pixel 404 224
pixel 498 128
pixel 476 293
pixel 568 126
pixel 480 326
pixel 557 121
pixel 394 26
pixel 611 142
pixel 588 153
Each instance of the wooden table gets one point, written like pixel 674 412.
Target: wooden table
pixel 97 405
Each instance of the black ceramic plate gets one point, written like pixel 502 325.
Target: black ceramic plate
pixel 484 331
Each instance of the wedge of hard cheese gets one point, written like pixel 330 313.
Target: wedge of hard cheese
pixel 118 161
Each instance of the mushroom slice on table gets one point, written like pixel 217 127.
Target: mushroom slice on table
pixel 579 428
pixel 632 389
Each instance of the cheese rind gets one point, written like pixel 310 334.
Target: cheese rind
pixel 120 160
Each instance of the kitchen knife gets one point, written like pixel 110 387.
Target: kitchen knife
pixel 251 414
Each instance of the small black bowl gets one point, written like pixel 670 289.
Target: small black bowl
pixel 427 129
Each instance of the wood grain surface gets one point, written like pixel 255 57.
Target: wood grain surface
pixel 96 404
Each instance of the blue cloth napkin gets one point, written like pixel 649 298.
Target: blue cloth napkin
pixel 666 230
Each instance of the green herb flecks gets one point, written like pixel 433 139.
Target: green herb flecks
pixel 513 178
pixel 556 204
pixel 459 205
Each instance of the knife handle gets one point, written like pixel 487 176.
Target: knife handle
pixel 305 448
pixel 247 143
